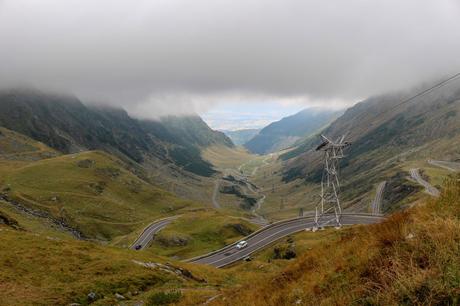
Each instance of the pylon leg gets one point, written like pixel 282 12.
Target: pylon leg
pixel 337 220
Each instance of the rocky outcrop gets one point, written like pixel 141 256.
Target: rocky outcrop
pixel 172 240
pixel 170 269
pixel 7 220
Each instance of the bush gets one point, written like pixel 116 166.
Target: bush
pixel 164 298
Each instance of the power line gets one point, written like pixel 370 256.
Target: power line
pixel 405 101
pixel 422 93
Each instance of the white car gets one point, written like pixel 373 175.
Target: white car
pixel 242 244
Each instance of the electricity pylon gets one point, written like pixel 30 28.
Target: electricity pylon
pixel 330 185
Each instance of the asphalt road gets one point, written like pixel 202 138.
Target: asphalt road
pixel 428 187
pixel 270 234
pixel 149 232
pixel 451 166
pixel 215 192
pixel 377 202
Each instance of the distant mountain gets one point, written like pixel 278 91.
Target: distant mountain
pixel 66 124
pixel 240 137
pixel 384 136
pixel 287 131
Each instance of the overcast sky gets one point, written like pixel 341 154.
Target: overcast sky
pixel 172 56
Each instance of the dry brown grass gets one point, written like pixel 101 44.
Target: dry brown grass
pixel 413 258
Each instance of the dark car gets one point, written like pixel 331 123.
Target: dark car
pixel 138 247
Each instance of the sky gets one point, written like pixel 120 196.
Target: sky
pixel 256 115
pixel 160 57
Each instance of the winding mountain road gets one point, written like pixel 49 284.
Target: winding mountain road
pixel 258 219
pixel 451 166
pixel 215 192
pixel 415 174
pixel 149 232
pixel 264 236
pixel 377 202
pixel 272 233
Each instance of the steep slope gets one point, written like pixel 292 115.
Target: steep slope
pixel 67 125
pixel 284 133
pixel 384 137
pixel 91 193
pixel 15 146
pixel 410 259
pixel 240 137
pixel 40 269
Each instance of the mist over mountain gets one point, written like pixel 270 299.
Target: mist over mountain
pixel 287 131
pixel 67 125
pixel 384 135
pixel 155 58
pixel 240 137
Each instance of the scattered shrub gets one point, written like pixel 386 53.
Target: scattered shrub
pixel 164 298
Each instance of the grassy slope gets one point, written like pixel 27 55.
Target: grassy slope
pixel 39 266
pixel 289 197
pixel 45 270
pixel 224 157
pixel 229 161
pixel 101 199
pixel 202 231
pixel 295 194
pixel 14 146
pixel 428 128
pixel 411 258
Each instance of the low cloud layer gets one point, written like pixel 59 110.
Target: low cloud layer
pixel 170 56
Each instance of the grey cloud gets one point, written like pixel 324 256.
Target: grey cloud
pixel 171 56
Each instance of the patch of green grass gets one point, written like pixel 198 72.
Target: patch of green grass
pixel 198 233
pixel 92 191
pixel 39 269
pixel 164 298
pixel 32 223
pixel 223 157
pixel 249 167
pixel 15 146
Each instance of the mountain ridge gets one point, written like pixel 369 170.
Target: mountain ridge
pixel 240 137
pixel 68 125
pixel 384 136
pixel 286 132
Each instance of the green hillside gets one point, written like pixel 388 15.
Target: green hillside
pixel 384 139
pixel 65 124
pixel 91 192
pixel 286 132
pixel 46 270
pixel 14 146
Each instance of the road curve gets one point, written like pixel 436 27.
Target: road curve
pixel 215 192
pixel 377 202
pixel 270 234
pixel 149 232
pixel 428 187
pixel 451 166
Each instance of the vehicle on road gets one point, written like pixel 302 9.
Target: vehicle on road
pixel 242 244
pixel 138 247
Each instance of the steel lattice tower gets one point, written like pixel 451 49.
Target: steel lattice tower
pixel 329 208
